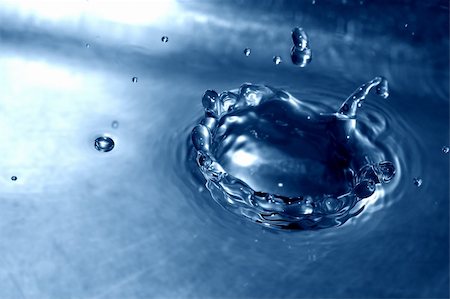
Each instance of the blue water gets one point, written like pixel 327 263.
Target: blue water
pixel 138 221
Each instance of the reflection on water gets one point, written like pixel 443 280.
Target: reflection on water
pixel 137 222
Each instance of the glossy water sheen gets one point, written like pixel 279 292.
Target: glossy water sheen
pixel 139 222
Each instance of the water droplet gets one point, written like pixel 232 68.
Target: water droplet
pixel 417 181
pixel 413 33
pixel 164 39
pixel 209 100
pixel 134 79
pixel 406 25
pixel 276 59
pixel 313 2
pixel 308 117
pixel 14 178
pixel 445 149
pixel 301 54
pixel 300 57
pixel 299 38
pixel 201 138
pixel 280 185
pixel 104 144
pixel 87 45
pixel 115 124
pixel 247 51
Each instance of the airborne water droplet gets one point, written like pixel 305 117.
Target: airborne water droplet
pixel 104 144
pixel 247 51
pixel 164 39
pixel 301 54
pixel 134 79
pixel 14 178
pixel 276 59
pixel 445 149
pixel 418 182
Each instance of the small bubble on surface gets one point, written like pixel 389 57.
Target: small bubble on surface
pixel 276 59
pixel 13 178
pixel 164 39
pixel 445 149
pixel 417 182
pixel 247 51
pixel 134 79
pixel 104 144
pixel 115 124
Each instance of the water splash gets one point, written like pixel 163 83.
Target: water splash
pixel 301 54
pixel 104 144
pixel 270 143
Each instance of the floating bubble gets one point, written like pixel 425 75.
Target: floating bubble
pixel 277 59
pixel 134 79
pixel 164 39
pixel 247 51
pixel 115 124
pixel 445 149
pixel 104 144
pixel 14 178
pixel 417 181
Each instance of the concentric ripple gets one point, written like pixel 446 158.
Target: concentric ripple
pixel 275 160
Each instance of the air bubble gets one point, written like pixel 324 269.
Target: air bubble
pixel 104 144
pixel 417 181
pixel 445 149
pixel 247 51
pixel 276 60
pixel 134 79
pixel 13 178
pixel 115 124
pixel 164 39
pixel 87 45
